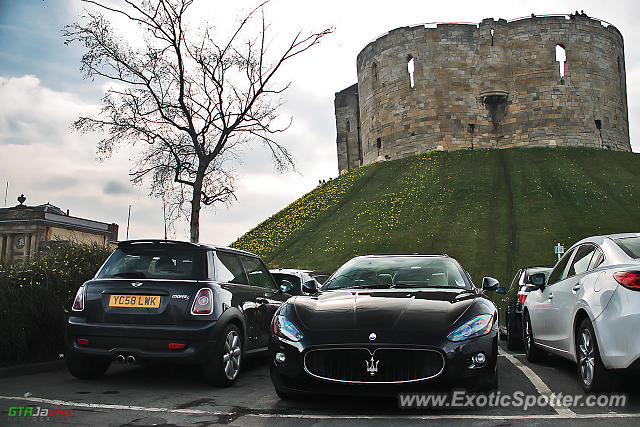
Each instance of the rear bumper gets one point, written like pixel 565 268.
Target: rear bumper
pixel 616 330
pixel 145 342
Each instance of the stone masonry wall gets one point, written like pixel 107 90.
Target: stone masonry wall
pixel 348 129
pixel 494 85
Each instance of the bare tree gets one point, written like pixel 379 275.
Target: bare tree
pixel 190 99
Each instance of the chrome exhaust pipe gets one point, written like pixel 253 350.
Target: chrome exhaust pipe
pixel 121 359
pixel 131 360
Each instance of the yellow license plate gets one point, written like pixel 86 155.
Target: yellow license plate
pixel 145 301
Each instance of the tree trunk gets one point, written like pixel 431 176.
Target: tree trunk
pixel 194 227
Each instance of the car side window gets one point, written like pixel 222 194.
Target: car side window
pixel 558 271
pixel 582 259
pixel 258 274
pixel 228 269
pixel 596 260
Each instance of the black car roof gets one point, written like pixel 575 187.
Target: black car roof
pixel 131 243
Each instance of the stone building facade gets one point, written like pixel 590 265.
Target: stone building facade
pixel 533 82
pixel 25 229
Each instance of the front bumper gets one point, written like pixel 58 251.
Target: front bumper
pixel 144 342
pixel 459 371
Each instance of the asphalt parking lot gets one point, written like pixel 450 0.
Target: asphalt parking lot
pixel 176 395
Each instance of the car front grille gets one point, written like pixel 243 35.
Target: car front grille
pixel 382 365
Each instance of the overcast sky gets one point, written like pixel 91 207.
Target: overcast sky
pixel 42 91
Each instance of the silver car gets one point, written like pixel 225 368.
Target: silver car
pixel 588 311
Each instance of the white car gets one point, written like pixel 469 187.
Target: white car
pixel 588 311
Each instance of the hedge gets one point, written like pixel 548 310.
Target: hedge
pixel 35 298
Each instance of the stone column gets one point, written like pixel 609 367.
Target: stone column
pixel 32 244
pixel 27 246
pixel 8 254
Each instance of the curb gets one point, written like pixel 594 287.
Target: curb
pixel 31 368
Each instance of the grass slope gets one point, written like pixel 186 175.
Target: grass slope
pixel 493 210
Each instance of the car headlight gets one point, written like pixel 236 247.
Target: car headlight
pixel 283 327
pixel 476 327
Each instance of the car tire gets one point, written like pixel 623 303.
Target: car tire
pixel 533 353
pixel 514 342
pixel 223 369
pixel 86 367
pixel 592 374
pixel 283 395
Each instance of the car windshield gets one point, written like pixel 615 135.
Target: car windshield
pixel 630 245
pixel 398 272
pixel 150 262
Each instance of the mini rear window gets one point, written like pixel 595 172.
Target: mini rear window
pixel 630 245
pixel 151 262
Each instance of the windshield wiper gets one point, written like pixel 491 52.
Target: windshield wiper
pixel 388 285
pixel 131 275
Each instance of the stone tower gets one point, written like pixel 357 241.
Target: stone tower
pixel 534 82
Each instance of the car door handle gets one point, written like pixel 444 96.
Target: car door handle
pixel 261 300
pixel 550 297
pixel 576 288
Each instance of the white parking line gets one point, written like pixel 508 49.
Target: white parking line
pixel 559 416
pixel 536 381
pixel 109 406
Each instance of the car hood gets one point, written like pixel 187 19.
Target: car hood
pixel 428 310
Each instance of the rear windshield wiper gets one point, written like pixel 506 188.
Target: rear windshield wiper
pixel 131 275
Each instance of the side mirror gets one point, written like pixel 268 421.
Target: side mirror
pixel 500 290
pixel 286 286
pixel 489 284
pixel 538 280
pixel 310 287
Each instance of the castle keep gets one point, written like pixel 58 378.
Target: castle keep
pixel 534 82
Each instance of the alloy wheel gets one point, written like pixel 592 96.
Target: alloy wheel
pixel 586 357
pixel 231 355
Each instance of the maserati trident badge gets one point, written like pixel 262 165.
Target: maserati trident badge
pixel 136 284
pixel 372 366
pixel 373 336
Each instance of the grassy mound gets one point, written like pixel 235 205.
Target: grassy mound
pixel 493 210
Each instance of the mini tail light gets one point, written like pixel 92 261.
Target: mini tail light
pixel 176 346
pixel 628 279
pixel 78 302
pixel 83 342
pixel 522 297
pixel 203 303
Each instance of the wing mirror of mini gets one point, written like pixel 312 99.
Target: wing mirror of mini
pixel 489 284
pixel 538 280
pixel 310 286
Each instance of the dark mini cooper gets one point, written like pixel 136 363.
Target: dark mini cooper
pixel 387 324
pixel 174 301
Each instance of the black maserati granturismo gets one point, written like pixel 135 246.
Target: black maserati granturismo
pixel 385 324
